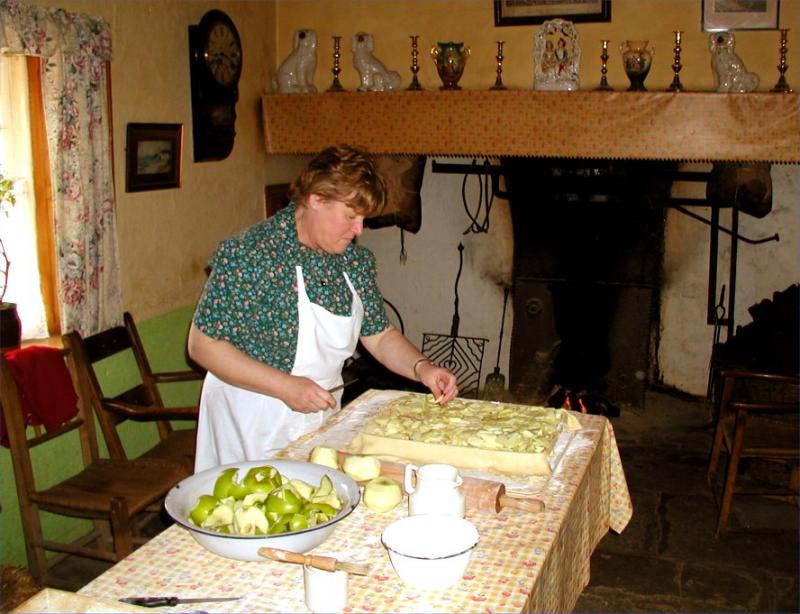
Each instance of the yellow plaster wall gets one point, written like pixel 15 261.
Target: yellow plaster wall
pixel 166 237
pixel 472 21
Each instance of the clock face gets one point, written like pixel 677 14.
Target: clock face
pixel 223 53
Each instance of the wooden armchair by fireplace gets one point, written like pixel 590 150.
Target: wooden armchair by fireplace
pixel 757 418
pixel 141 402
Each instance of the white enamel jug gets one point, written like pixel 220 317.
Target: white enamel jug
pixel 434 489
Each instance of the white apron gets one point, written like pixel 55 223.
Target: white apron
pixel 238 425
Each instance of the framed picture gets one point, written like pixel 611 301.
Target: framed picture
pixel 153 157
pixel 721 15
pixel 526 12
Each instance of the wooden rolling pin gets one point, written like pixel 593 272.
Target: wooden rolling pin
pixel 480 494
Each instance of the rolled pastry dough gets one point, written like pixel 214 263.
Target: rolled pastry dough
pixel 412 414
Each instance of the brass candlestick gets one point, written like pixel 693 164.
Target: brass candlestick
pixel 782 86
pixel 414 85
pixel 336 86
pixel 604 86
pixel 676 85
pixel 498 82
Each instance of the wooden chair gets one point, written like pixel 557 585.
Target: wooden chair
pixel 115 494
pixel 142 402
pixel 757 418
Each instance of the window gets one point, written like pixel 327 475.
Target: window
pixel 18 224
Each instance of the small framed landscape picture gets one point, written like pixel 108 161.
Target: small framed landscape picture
pixel 526 12
pixel 153 157
pixel 722 15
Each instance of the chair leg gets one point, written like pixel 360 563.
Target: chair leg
pixel 731 472
pixel 121 528
pixel 32 529
pixel 713 460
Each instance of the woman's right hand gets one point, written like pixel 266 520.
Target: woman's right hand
pixel 304 395
pixel 238 369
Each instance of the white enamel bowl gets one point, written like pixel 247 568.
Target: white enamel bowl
pixel 183 497
pixel 430 551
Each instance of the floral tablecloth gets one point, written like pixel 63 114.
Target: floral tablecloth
pixel 524 562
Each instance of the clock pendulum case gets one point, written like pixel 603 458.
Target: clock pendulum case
pixel 215 60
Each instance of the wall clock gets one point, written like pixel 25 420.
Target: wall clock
pixel 215 60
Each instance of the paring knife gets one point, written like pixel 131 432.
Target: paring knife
pixel 340 386
pixel 157 602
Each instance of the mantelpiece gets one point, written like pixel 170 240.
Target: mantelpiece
pixel 613 125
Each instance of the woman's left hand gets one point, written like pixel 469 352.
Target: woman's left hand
pixel 440 381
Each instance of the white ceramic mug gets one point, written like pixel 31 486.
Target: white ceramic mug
pixel 325 591
pixel 434 491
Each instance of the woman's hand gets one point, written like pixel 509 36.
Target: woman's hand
pixel 238 369
pixel 397 353
pixel 306 396
pixel 440 381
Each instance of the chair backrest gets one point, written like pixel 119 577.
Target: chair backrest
pixel 22 438
pixel 86 353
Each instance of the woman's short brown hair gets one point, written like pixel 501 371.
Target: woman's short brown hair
pixel 342 173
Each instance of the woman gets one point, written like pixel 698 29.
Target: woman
pixel 284 307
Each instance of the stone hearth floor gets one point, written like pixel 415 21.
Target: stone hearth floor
pixel 668 559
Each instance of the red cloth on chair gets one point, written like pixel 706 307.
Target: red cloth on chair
pixel 45 387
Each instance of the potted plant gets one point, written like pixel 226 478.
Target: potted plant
pixel 10 327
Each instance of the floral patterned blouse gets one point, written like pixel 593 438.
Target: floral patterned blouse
pixel 250 298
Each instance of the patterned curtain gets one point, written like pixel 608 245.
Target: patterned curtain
pixel 76 49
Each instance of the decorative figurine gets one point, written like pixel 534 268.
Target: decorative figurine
pixel 730 73
pixel 556 57
pixel 374 76
pixel 637 57
pixel 782 86
pixel 676 85
pixel 604 86
pixel 450 59
pixel 498 82
pixel 296 73
pixel 336 86
pixel 415 84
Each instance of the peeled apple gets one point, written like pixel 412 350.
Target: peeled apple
pixel 220 515
pixel 250 521
pixel 325 456
pixel 382 494
pixel 362 468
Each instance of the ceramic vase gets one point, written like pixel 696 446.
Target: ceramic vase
pixel 637 56
pixel 450 59
pixel 10 327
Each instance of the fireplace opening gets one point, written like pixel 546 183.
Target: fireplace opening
pixel 588 253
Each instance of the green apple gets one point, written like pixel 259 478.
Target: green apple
pixel 205 503
pixel 261 479
pixel 382 494
pixel 227 485
pixel 362 468
pixel 319 508
pixel 298 522
pixel 328 457
pixel 283 501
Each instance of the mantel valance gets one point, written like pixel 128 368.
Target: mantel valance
pixel 615 125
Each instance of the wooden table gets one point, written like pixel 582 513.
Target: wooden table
pixel 523 563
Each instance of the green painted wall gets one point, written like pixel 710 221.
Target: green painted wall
pixel 164 338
